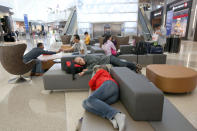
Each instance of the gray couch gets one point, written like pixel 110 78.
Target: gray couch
pixel 140 97
pixel 96 49
pixel 127 54
pixel 139 100
pixel 57 79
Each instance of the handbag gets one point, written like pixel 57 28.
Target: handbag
pixel 113 52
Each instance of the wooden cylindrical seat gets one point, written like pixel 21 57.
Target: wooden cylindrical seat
pixel 171 78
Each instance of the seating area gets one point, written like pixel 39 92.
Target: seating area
pixel 11 58
pixel 141 97
pixel 147 107
pixel 172 79
pixel 98 65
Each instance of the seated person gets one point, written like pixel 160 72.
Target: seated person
pixel 106 92
pixel 108 46
pixel 87 38
pixel 33 54
pixel 78 46
pixel 91 60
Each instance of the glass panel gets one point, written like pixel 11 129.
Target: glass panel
pixel 82 30
pixel 111 8
pixel 121 17
pixel 130 30
pixel 130 24
pixel 106 1
pixel 84 25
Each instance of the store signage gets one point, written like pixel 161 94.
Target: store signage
pixel 157 14
pixel 169 21
pixel 26 22
pixel 184 5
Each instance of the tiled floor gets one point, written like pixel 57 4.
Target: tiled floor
pixel 185 103
pixel 24 108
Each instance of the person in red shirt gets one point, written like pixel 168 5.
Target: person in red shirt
pixel 106 92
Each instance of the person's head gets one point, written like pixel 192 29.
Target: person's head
pixel 157 26
pixel 76 38
pixel 107 37
pixel 40 45
pixel 86 33
pixel 79 60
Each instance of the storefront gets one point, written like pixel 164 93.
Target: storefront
pixel 156 16
pixel 178 18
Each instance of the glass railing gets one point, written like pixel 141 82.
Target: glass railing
pixel 146 27
pixel 71 22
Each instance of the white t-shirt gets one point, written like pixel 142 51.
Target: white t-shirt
pixel 80 46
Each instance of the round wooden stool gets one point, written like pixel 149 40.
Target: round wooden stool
pixel 172 79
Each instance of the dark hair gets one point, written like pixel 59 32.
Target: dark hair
pixel 39 44
pixel 157 25
pixel 106 38
pixel 77 37
pixel 86 33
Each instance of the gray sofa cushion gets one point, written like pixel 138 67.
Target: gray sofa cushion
pixel 96 49
pixel 172 120
pixel 127 49
pixel 129 57
pixel 159 58
pixel 145 59
pixel 56 79
pixel 141 98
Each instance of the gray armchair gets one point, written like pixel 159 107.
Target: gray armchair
pixel 11 58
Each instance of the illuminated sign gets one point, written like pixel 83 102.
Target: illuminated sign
pixel 157 14
pixel 184 5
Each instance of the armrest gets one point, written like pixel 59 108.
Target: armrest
pixel 127 49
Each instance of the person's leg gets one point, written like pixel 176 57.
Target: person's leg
pixel 112 99
pixel 117 62
pixel 38 67
pixel 108 89
pixel 95 102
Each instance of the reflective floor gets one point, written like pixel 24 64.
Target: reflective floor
pixel 24 108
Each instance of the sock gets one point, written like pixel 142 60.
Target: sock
pixel 120 118
pixel 114 123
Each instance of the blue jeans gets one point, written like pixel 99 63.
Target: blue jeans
pixel 99 101
pixel 37 68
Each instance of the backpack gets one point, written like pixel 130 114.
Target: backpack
pixel 72 68
pixel 141 48
pixel 156 49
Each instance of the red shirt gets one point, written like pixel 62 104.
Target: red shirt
pixel 99 78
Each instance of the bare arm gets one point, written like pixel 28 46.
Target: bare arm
pixel 82 51
pixel 69 49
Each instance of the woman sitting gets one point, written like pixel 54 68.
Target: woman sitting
pixel 108 46
pixel 106 92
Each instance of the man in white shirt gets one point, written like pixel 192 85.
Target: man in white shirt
pixel 161 32
pixel 79 46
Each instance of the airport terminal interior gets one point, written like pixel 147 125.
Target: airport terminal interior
pixel 98 65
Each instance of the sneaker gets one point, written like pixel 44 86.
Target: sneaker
pixel 139 66
pixel 114 123
pixel 78 128
pixel 138 71
pixel 120 118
